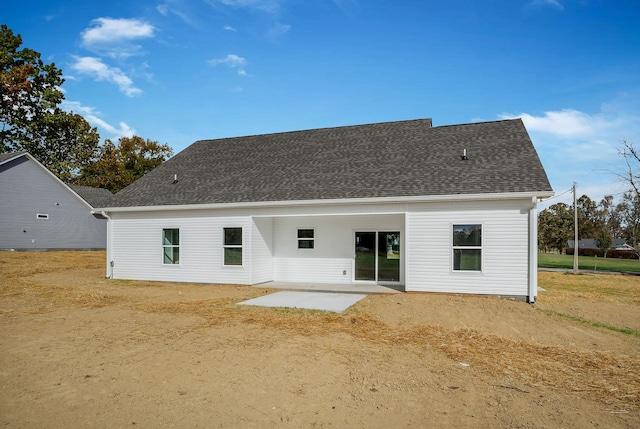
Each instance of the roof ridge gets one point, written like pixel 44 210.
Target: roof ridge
pixel 339 127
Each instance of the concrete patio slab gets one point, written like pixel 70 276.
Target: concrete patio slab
pixel 326 301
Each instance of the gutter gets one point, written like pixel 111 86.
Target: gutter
pixel 381 200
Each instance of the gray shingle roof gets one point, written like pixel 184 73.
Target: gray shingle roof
pixel 392 159
pixel 96 197
pixel 5 156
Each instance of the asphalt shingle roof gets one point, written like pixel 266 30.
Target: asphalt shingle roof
pixel 392 159
pixel 96 197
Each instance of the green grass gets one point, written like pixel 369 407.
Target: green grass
pixel 552 260
pixel 627 331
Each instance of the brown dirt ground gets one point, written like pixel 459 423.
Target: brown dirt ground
pixel 78 350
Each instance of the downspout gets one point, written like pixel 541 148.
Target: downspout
pixel 109 273
pixel 533 252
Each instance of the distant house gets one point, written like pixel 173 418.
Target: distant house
pixel 40 212
pixel 421 208
pixel 590 243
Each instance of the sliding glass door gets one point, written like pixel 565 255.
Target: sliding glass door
pixel 377 256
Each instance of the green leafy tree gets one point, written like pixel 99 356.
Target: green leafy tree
pixel 628 211
pixel 603 241
pixel 30 117
pixel 555 227
pixel 119 165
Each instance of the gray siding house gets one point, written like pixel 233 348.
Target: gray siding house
pixel 40 212
pixel 402 204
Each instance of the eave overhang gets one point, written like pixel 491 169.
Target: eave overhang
pixel 335 202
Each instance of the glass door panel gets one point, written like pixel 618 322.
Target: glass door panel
pixel 365 266
pixel 389 256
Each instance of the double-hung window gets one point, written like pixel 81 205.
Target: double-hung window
pixel 467 247
pixel 306 239
pixel 233 246
pixel 171 246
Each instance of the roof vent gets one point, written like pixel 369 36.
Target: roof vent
pixel 464 156
pixel 175 179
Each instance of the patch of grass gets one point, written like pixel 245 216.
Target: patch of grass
pixel 597 287
pixel 553 260
pixel 628 331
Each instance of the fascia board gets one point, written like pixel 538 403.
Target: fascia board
pixel 384 200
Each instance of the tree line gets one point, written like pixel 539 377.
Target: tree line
pixel 31 119
pixel 603 222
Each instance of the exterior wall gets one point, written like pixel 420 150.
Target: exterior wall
pixel 26 190
pixel 261 250
pixel 331 260
pixel 505 250
pixel 136 246
pixel 270 251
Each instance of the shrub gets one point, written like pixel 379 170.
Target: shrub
pixel 622 254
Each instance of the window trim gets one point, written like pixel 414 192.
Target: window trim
pixel 233 246
pixel 312 239
pixel 459 247
pixel 173 246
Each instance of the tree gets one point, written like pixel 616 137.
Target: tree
pixel 628 211
pixel 117 166
pixel 632 158
pixel 30 117
pixel 555 227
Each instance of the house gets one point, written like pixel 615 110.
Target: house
pixel 404 204
pixel 590 243
pixel 40 212
pixel 589 247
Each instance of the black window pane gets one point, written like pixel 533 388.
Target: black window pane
pixel 233 236
pixel 467 235
pixel 305 233
pixel 233 256
pixel 305 244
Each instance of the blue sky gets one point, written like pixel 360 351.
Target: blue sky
pixel 177 71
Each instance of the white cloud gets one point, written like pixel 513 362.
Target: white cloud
pixel 95 68
pixel 566 123
pixel 229 28
pixel 553 3
pixel 575 146
pixel 233 61
pixel 271 6
pixel 163 9
pixel 111 30
pixel 278 30
pixel 92 116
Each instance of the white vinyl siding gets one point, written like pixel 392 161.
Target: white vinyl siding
pixel 261 250
pixel 505 254
pixel 270 251
pixel 331 260
pixel 135 235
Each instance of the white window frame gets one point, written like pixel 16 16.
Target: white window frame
pixel 42 216
pixel 232 246
pixel 312 239
pixel 173 246
pixel 454 248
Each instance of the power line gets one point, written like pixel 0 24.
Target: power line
pixel 559 195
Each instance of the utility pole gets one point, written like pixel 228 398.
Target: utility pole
pixel 575 230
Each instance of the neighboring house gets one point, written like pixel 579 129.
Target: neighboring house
pixel 421 208
pixel 39 212
pixel 590 243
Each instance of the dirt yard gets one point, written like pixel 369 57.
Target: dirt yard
pixel 78 350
